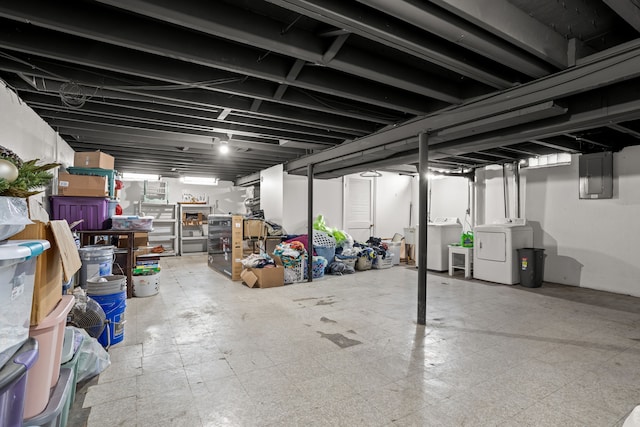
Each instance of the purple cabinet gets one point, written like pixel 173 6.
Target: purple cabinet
pixel 93 210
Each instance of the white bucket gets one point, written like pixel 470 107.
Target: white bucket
pixel 105 285
pixel 97 260
pixel 146 286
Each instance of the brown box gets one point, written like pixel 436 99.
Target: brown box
pixel 269 277
pixel 140 240
pixel 254 229
pixel 82 185
pixel 93 159
pixel 236 246
pixel 58 263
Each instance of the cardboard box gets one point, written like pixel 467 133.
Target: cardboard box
pixel 93 159
pixel 58 263
pixel 140 240
pixel 237 222
pixel 254 229
pixel 82 185
pixel 263 277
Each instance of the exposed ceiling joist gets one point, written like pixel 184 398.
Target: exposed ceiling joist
pixel 375 26
pixel 566 147
pixel 620 128
pixel 629 10
pixel 186 98
pixel 505 20
pixel 166 70
pixel 500 121
pixel 224 20
pixel 146 36
pixel 621 64
pixel 450 27
pixel 280 79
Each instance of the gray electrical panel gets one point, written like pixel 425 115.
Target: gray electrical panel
pixel 596 175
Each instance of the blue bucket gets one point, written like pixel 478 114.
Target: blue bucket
pixel 113 306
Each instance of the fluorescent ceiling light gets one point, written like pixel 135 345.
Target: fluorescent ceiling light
pixel 199 180
pixel 130 176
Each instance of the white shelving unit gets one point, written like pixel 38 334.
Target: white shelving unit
pixel 192 219
pixel 165 226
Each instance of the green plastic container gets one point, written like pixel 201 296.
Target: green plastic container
pixel 466 240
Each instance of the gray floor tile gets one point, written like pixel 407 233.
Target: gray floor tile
pixel 206 351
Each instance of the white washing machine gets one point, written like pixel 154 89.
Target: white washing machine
pixel 440 234
pixel 495 255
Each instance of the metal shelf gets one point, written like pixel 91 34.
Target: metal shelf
pixel 186 247
pixel 159 237
pixel 166 233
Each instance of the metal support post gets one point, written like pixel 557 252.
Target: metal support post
pixel 423 191
pixel 310 222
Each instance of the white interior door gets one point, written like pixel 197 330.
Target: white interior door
pixel 358 207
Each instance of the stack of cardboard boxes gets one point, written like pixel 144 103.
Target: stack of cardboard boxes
pixel 90 176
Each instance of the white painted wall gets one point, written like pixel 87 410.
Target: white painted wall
pixel 392 204
pixel 25 133
pixel 272 193
pixel 490 195
pixel 327 200
pixel 448 198
pixel 224 197
pixel 588 243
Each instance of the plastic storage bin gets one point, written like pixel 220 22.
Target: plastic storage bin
pixel 44 375
pixel 56 412
pixel 13 380
pixel 381 263
pixel 531 266
pixel 109 173
pixel 394 248
pixel 17 274
pixel 94 211
pixel 123 222
pixel 71 355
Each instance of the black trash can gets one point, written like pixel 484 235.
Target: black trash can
pixel 531 266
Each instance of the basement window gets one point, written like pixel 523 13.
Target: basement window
pixel 548 160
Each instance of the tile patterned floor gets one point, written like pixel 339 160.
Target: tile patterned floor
pixel 346 351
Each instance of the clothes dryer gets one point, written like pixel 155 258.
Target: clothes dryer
pixel 495 257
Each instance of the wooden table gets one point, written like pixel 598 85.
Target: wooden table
pixel 87 236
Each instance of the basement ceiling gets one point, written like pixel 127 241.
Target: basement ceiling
pixel 345 85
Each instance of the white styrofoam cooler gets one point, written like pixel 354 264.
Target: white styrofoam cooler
pixel 17 275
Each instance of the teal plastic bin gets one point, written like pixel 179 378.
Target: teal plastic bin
pixel 109 173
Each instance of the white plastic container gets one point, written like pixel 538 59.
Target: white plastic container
pixel 394 249
pixel 146 286
pixel 17 274
pixel 137 223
